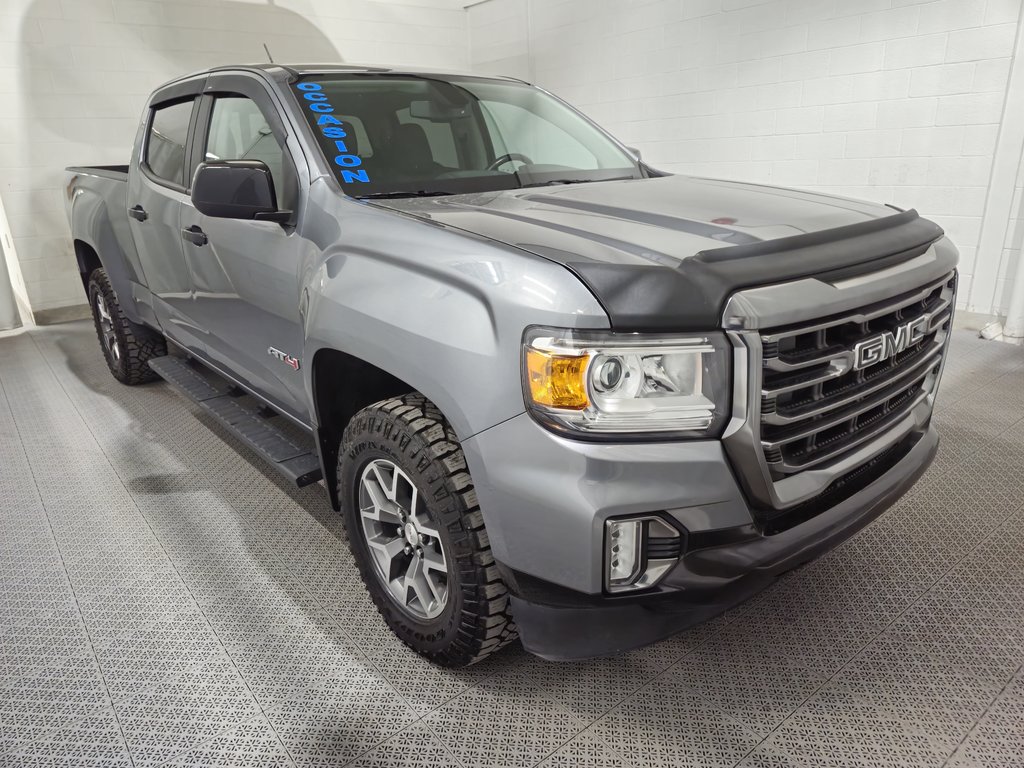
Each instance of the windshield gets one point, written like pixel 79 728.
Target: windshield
pixel 398 135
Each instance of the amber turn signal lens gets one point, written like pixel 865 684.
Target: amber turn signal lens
pixel 557 381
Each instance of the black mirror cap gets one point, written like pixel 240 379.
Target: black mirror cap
pixel 234 189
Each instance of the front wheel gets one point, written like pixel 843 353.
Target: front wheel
pixel 417 533
pixel 127 346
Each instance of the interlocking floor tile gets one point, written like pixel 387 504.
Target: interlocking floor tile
pixel 754 685
pixel 151 568
pixel 586 749
pixel 414 747
pixel 423 685
pixel 666 724
pixel 94 740
pixel 252 744
pixel 506 720
pixel 179 715
pixel 997 740
pixel 329 730
pixel 588 689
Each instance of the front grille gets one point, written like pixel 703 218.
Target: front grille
pixel 831 385
pixel 779 520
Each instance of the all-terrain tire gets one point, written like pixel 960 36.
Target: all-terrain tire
pixel 127 346
pixel 411 432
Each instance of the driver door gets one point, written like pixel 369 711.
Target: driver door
pixel 247 274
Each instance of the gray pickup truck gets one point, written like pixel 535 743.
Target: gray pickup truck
pixel 553 392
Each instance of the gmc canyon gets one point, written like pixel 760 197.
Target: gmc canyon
pixel 553 392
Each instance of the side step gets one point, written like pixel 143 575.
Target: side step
pixel 296 462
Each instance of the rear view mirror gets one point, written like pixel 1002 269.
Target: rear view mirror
pixel 635 153
pixel 236 189
pixel 436 112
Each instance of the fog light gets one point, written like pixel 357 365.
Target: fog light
pixel 623 539
pixel 638 552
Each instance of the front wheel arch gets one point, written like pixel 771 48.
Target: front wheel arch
pixel 342 386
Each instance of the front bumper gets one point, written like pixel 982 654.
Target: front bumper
pixel 545 500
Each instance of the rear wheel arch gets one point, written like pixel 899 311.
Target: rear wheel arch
pixel 342 385
pixel 88 261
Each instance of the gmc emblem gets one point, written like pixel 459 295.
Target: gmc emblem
pixel 885 345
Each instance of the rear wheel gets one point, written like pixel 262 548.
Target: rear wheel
pixel 417 533
pixel 127 347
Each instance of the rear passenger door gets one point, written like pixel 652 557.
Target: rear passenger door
pixel 157 188
pixel 247 273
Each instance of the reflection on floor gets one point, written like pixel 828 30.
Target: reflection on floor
pixel 166 598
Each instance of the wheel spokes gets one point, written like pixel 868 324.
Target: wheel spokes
pixel 402 540
pixel 432 561
pixel 421 585
pixel 390 554
pixel 387 485
pixel 106 328
pixel 381 508
pixel 101 307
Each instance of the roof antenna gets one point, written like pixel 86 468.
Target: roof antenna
pixel 269 57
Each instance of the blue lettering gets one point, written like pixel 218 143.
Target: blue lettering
pixel 333 128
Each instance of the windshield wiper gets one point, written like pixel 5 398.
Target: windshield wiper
pixel 408 193
pixel 556 182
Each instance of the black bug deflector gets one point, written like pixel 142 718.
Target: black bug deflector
pixel 692 295
pixel 665 254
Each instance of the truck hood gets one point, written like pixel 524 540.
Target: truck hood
pixel 665 254
pixel 659 221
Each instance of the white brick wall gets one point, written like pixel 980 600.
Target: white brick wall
pixel 74 76
pixel 1013 248
pixel 893 100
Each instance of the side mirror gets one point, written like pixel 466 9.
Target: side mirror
pixel 635 153
pixel 236 189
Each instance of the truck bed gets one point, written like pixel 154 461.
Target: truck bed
pixel 96 203
pixel 118 172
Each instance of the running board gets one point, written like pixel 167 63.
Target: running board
pixel 298 463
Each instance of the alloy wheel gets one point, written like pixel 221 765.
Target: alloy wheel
pixel 406 548
pixel 107 334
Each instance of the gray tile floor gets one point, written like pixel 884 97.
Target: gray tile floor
pixel 165 599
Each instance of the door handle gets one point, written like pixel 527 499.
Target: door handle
pixel 138 213
pixel 195 235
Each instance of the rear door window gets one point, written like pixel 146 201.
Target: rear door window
pixel 168 136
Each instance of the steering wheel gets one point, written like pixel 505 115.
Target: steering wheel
pixel 508 158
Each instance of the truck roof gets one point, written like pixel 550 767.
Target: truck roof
pixel 297 70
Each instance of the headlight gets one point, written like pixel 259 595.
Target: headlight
pixel 627 383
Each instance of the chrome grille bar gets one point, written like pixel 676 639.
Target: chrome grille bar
pixel 867 314
pixel 829 386
pixel 821 407
pixel 876 428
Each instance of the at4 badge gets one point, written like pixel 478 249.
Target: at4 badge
pixel 283 357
